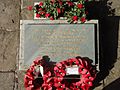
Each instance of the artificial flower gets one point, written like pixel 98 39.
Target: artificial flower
pixel 41 4
pixel 51 18
pixel 47 15
pixel 80 5
pixel 37 15
pixel 30 8
pixel 70 3
pixel 75 18
pixel 83 19
pixel 58 10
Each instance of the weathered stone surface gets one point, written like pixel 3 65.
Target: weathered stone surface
pixel 116 5
pixel 114 73
pixel 100 87
pixel 21 80
pixel 9 14
pixel 8 50
pixel 6 81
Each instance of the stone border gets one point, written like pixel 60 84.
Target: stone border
pixel 44 21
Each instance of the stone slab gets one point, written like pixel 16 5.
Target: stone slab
pixel 58 41
pixel 6 81
pixel 9 14
pixel 8 50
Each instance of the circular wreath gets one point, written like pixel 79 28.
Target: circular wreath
pixel 86 72
pixel 33 79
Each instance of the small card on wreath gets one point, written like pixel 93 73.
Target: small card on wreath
pixel 72 70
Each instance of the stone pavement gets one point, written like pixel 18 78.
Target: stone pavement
pixel 10 14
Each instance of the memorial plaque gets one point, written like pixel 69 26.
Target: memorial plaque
pixel 57 40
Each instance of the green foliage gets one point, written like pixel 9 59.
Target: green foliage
pixel 54 9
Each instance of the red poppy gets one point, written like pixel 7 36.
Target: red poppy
pixel 55 68
pixel 88 82
pixel 83 19
pixel 30 8
pixel 59 65
pixel 41 4
pixel 57 82
pixel 60 2
pixel 37 15
pixel 75 18
pixel 83 86
pixel 42 12
pixel 77 62
pixel 78 83
pixel 30 87
pixel 73 61
pixel 47 15
pixel 61 87
pixel 58 79
pixel 46 76
pixel 40 9
pixel 80 6
pixel 82 63
pixel 52 1
pixel 65 63
pixel 59 10
pixel 82 70
pixel 73 86
pixel 28 80
pixel 37 60
pixel 47 86
pixel 70 3
pixel 51 18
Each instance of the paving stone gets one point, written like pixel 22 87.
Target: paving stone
pixel 6 81
pixel 21 80
pixel 114 73
pixel 100 87
pixel 9 14
pixel 8 50
pixel 116 5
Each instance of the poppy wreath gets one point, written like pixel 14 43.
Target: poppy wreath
pixel 54 79
pixel 72 10
pixel 31 78
pixel 86 71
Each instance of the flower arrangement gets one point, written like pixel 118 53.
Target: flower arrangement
pixel 72 10
pixel 54 79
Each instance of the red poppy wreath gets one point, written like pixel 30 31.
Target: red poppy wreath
pixel 55 79
pixel 35 79
pixel 85 70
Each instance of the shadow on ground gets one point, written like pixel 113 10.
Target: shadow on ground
pixel 114 85
pixel 108 35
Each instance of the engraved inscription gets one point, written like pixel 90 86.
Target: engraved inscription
pixel 59 42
